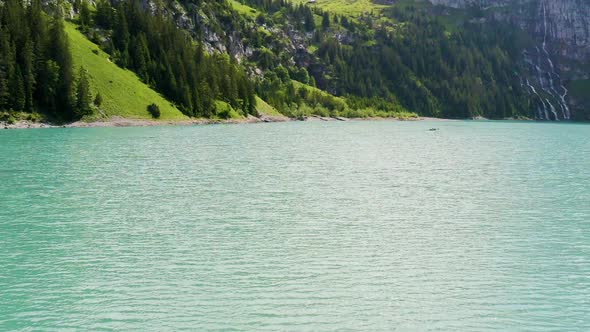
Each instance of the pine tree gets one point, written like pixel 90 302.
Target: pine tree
pixel 85 15
pixel 60 53
pixel 4 70
pixel 49 85
pixel 104 14
pixel 18 91
pixel 83 96
pixel 38 28
pixel 309 20
pixel 28 76
pixel 98 100
pixel 121 38
pixel 140 56
pixel 325 21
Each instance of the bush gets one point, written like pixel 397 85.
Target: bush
pixel 34 117
pixel 98 100
pixel 154 110
pixel 224 114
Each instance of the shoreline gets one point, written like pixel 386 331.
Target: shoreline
pixel 117 121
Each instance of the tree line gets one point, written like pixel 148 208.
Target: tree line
pixel 408 56
pixel 171 61
pixel 36 70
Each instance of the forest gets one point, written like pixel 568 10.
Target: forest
pixel 407 59
pixel 301 59
pixel 168 59
pixel 36 71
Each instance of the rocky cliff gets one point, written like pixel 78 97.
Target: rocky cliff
pixel 559 52
pixel 565 24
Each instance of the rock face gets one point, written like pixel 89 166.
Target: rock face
pixel 560 30
pixel 467 3
pixel 567 22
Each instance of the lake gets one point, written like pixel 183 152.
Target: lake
pixel 301 226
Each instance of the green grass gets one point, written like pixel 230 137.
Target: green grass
pixel 346 7
pixel 226 111
pixel 310 88
pixel 264 108
pixel 122 91
pixel 243 9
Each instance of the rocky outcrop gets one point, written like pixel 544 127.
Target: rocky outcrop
pixel 568 23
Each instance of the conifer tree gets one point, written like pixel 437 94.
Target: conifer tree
pixel 98 100
pixel 18 91
pixel 60 52
pixel 85 15
pixel 4 70
pixel 325 21
pixel 83 96
pixel 28 75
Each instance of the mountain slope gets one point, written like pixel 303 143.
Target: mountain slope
pixel 123 92
pixel 478 58
pixel 558 55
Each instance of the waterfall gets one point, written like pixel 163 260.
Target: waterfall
pixel 553 110
pixel 562 97
pixel 542 113
pixel 543 70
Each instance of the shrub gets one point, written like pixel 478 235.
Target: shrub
pixel 98 100
pixel 154 110
pixel 225 113
pixel 34 117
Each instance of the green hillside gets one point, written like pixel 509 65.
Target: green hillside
pixel 123 93
pixel 345 7
pixel 264 108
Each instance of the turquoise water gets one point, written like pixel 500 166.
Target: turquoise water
pixel 359 226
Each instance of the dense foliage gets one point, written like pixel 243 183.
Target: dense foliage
pixel 35 63
pixel 300 59
pixel 168 59
pixel 406 58
pixel 154 110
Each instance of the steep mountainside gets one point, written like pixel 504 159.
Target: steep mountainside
pixel 558 59
pixel 122 91
pixel 444 58
pixel 394 59
pixel 553 55
pixel 566 22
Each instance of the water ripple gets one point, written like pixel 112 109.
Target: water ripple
pixel 355 226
